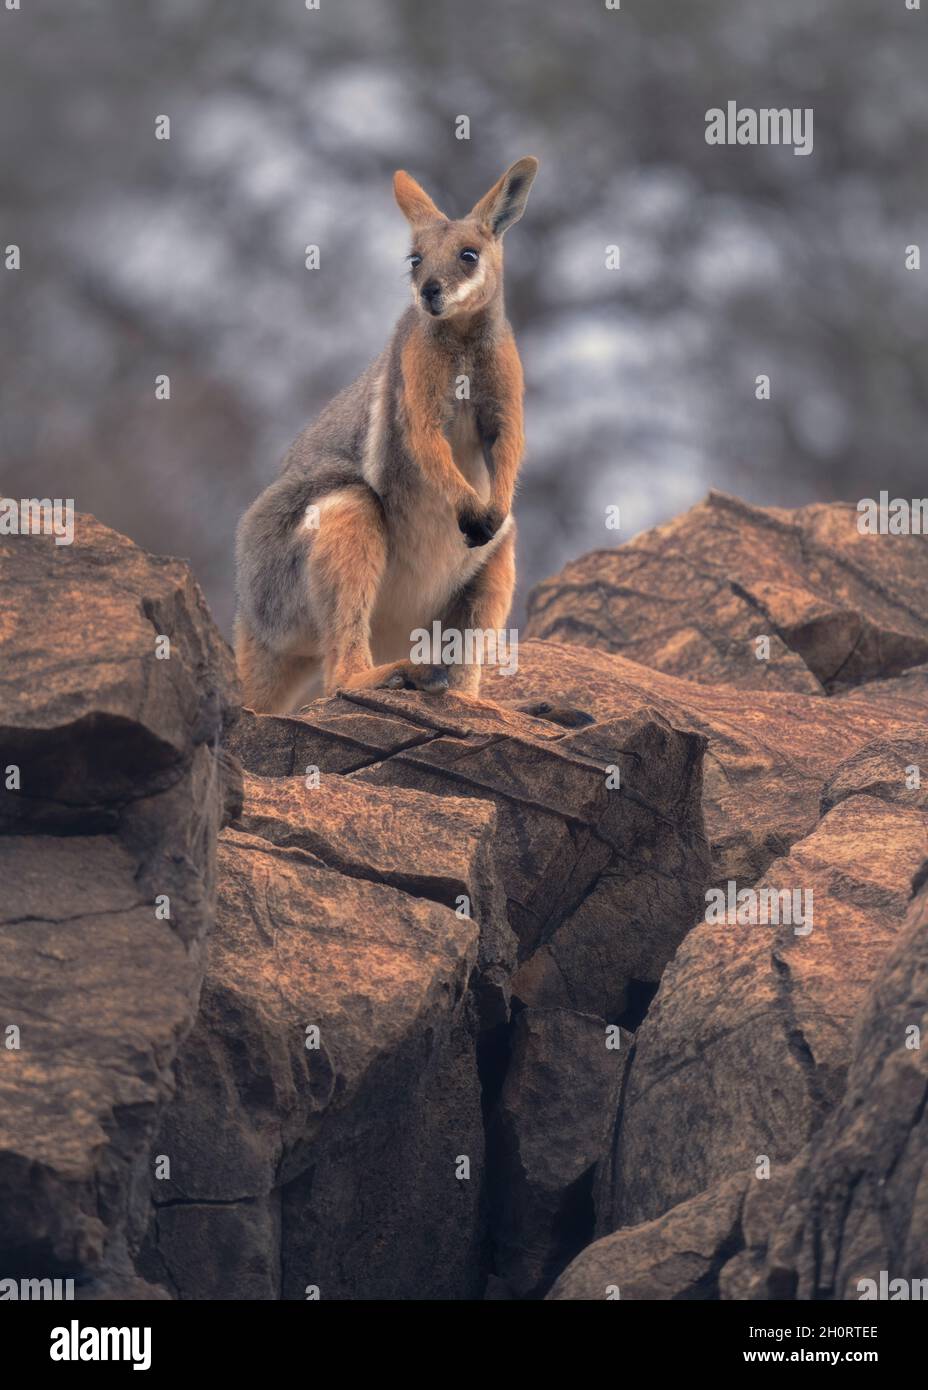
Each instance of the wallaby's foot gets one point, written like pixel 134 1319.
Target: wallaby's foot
pixel 399 675
pixel 565 715
pixel 409 675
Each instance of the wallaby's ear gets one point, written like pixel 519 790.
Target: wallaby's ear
pixel 505 202
pixel 414 203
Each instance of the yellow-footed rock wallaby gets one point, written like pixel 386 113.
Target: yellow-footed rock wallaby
pixel 393 510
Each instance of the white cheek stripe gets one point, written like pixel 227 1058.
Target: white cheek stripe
pixel 469 287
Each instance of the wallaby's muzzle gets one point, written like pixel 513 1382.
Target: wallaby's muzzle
pixel 432 297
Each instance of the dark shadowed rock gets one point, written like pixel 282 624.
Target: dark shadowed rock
pixel 743 1276
pixel 691 598
pixel 545 1138
pixel 678 1256
pixel 334 1165
pixel 109 882
pixel 746 1046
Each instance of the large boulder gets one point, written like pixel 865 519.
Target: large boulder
pixel 856 1206
pixel 607 952
pixel 326 1097
pixel 846 1219
pixel 113 794
pixel 745 1049
pixel 109 702
pixel 744 1053
pixel 691 598
pixel 583 848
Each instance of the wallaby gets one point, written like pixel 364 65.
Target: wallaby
pixel 394 508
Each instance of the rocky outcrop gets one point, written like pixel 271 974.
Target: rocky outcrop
pixel 694 598
pixel 771 1066
pixel 110 718
pixel 452 1007
pixel 458 802
pixel 768 755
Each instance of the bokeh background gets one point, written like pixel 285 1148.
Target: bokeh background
pixel 186 256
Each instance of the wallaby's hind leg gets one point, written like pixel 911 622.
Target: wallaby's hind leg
pixel 483 604
pixel 345 569
pixel 272 684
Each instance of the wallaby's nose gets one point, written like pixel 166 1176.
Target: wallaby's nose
pixel 431 290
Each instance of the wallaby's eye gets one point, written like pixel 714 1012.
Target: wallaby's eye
pixel 469 255
pixel 414 260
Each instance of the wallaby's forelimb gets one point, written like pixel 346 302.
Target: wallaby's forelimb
pixel 426 397
pixel 509 444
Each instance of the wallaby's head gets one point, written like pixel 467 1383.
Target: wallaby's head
pixel 457 265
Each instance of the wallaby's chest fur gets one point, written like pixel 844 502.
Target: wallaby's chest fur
pixel 462 434
pixel 429 561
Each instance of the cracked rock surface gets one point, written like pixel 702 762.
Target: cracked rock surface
pixel 438 1009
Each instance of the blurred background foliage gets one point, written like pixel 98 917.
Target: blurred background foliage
pixel 186 256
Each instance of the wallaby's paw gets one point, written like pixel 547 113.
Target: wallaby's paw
pixel 565 715
pixel 479 527
pixel 409 675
